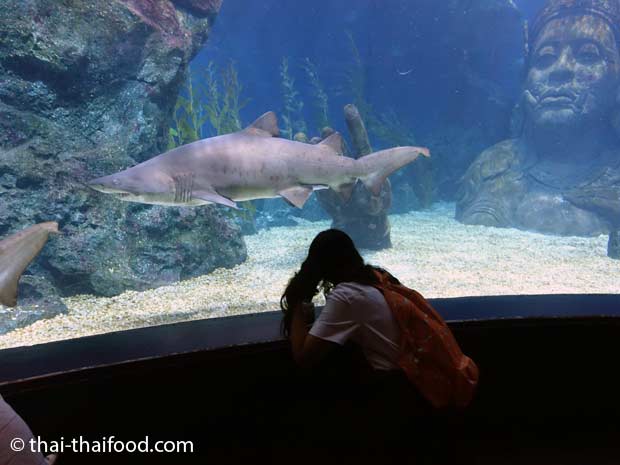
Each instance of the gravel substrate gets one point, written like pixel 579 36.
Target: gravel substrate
pixel 431 252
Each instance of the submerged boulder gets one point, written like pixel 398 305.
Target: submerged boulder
pixel 88 88
pixel 151 246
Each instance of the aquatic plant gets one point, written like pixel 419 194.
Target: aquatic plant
pixel 216 100
pixel 320 96
pixel 187 120
pixel 292 116
pixel 223 106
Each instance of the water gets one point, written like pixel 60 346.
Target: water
pixel 443 75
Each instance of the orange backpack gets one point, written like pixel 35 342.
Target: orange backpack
pixel 429 354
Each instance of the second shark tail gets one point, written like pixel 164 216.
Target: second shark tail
pixel 377 166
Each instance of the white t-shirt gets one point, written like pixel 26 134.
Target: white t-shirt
pixel 359 313
pixel 12 428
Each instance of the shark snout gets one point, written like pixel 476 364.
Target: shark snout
pixel 108 185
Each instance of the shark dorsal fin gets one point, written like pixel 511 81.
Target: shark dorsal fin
pixel 334 142
pixel 267 123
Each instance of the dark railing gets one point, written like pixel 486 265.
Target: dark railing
pixel 548 390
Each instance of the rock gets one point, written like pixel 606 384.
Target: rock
pixel 326 132
pixel 359 135
pixel 404 198
pixel 300 137
pixel 199 8
pixel 37 300
pixel 152 246
pixel 613 245
pixel 364 215
pixel 87 88
pixel 601 196
pixel 276 212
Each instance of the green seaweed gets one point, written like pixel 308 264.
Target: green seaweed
pixel 187 118
pixel 292 115
pixel 223 106
pixel 213 101
pixel 321 102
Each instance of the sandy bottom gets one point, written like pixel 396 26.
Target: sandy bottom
pixel 431 252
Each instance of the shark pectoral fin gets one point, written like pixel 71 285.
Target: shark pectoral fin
pixel 345 191
pixel 8 291
pixel 267 123
pixel 334 142
pixel 296 196
pixel 214 197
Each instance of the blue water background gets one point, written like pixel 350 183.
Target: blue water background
pixel 393 37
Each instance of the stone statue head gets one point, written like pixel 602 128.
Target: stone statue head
pixel 574 65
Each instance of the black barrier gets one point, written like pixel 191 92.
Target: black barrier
pixel 219 333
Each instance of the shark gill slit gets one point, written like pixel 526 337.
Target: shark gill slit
pixel 177 188
pixel 183 186
pixel 190 188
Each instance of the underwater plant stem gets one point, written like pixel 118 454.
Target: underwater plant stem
pixel 321 101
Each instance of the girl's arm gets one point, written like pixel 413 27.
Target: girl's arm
pixel 307 349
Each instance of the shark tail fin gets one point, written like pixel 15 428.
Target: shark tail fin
pixel 377 166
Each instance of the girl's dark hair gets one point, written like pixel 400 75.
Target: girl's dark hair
pixel 332 259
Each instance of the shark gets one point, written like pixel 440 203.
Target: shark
pixel 252 163
pixel 16 253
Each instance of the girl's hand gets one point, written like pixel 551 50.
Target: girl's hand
pixel 307 311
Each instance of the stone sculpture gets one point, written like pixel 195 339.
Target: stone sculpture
pixel 568 135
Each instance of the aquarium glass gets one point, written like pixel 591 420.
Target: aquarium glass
pixel 514 100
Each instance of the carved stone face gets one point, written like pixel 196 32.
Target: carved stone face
pixel 573 76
